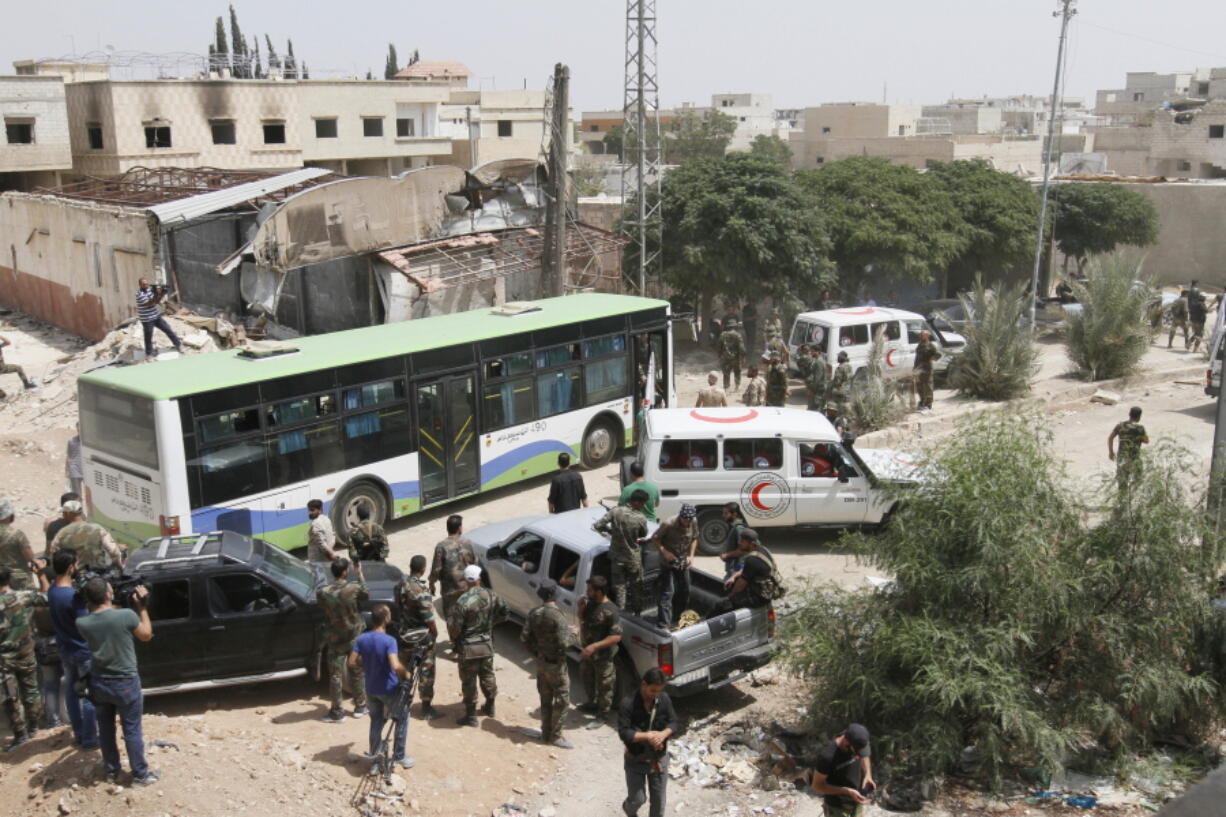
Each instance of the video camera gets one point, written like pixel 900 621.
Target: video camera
pixel 123 585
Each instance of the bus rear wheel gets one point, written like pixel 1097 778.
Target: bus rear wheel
pixel 599 444
pixel 345 507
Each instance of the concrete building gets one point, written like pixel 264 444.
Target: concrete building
pixel 434 72
pixel 839 130
pixel 752 113
pixel 36 148
pixel 1145 91
pixel 963 118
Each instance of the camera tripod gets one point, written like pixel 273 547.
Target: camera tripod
pixel 370 786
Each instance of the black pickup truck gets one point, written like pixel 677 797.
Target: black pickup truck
pixel 228 609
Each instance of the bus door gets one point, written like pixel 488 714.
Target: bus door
pixel 447 453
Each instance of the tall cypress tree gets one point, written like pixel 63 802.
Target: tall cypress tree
pixel 393 64
pixel 273 60
pixel 242 63
pixel 291 66
pixel 257 69
pixel 221 50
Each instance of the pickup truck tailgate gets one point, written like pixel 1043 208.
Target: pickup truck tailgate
pixel 719 650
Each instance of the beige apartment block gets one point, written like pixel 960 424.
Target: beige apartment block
pixel 859 120
pixel 35 147
pixel 505 125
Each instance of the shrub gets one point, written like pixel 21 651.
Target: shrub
pixel 1000 357
pixel 1012 625
pixel 871 400
pixel 1109 335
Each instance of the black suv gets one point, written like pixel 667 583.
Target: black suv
pixel 228 609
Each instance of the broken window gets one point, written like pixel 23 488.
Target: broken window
pixel 405 128
pixel 274 133
pixel 19 131
pixel 372 125
pixel 157 136
pixel 1217 131
pixel 504 127
pixel 224 132
pixel 93 132
pixel 325 128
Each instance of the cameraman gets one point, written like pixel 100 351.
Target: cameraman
pixel 147 300
pixel 379 656
pixel 66 607
pixel 113 680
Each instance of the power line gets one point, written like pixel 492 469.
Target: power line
pixel 1152 41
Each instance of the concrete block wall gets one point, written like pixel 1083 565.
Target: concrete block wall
pixel 41 99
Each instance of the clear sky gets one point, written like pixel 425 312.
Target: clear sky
pixel 803 52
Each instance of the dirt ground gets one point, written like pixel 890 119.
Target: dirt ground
pixel 261 749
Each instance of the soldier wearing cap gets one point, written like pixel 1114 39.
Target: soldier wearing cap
pixel 15 551
pixel 472 619
pixel 843 774
pixel 676 540
pixel 731 353
pixel 547 634
pixel 91 541
pixel 625 525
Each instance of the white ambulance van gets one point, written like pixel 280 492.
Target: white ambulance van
pixel 852 330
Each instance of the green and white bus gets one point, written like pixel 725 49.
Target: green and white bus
pixel 404 416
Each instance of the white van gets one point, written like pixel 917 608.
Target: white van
pixel 1213 375
pixel 785 467
pixel 852 329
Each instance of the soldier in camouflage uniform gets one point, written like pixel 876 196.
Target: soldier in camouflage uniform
pixel 15 551
pixel 1132 436
pixel 367 540
pixel 472 619
pixel 804 361
pixel 1178 312
pixel 774 325
pixel 415 611
pixel 451 556
pixel 926 353
pixel 18 668
pixel 776 346
pixel 755 389
pixel 816 382
pixel 625 525
pixel 840 384
pixel 343 623
pixel 731 352
pixel 92 542
pixel 600 631
pixel 776 382
pixel 546 633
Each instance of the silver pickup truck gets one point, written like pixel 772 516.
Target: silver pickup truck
pixel 518 553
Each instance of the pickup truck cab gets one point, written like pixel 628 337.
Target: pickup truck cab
pixel 228 609
pixel 518 554
pixel 785 467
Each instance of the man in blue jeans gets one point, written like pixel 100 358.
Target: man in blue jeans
pixel 113 680
pixel 66 607
pixel 379 655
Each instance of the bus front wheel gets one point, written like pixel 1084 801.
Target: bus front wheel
pixel 599 444
pixel 345 508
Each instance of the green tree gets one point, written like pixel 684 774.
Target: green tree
pixel 290 70
pixel 273 60
pixel 1013 626
pixel 614 141
pixel 871 401
pixel 694 136
pixel 886 217
pixel 738 227
pixel 772 148
pixel 392 67
pixel 242 60
pixel 588 179
pixel 1000 216
pixel 1110 333
pixel 257 67
pixel 220 54
pixel 1092 218
pixel 1000 358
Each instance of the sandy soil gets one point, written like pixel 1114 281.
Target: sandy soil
pixel 261 749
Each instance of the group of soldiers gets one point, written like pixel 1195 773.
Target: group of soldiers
pixel 470 612
pixel 1189 310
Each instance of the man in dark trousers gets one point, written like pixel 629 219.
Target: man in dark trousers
pixel 645 722
pixel 147 300
pixel 843 774
pixel 566 491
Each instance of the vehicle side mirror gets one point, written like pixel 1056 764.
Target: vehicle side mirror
pixel 494 553
pixel 845 473
pixel 287 604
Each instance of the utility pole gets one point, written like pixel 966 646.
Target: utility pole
pixel 1217 473
pixel 1065 13
pixel 641 143
pixel 553 260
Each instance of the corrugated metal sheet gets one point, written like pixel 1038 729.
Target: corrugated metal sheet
pixel 195 206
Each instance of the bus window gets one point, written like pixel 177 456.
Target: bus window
pixel 507 404
pixel 687 455
pixel 508 366
pixel 118 424
pixel 558 391
pixel 301 410
pixel 602 347
pixel 304 453
pixel 557 355
pixel 232 471
pixel 372 394
pixel 230 424
pixel 605 380
pixel 377 435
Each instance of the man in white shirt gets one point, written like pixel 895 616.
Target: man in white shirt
pixel 321 538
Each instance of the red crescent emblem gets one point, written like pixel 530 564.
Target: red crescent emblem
pixel 706 418
pixel 868 310
pixel 888 355
pixel 756 499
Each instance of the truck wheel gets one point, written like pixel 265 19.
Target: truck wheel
pixel 345 508
pixel 599 444
pixel 712 531
pixel 627 682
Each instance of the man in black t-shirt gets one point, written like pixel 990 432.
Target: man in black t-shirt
pixel 566 491
pixel 843 774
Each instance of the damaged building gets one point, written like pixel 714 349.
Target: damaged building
pixel 302 252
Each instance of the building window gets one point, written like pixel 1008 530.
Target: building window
pixel 157 136
pixel 19 131
pixel 821 160
pixel 1138 96
pixel 825 130
pixel 93 132
pixel 1217 131
pixel 902 130
pixel 325 128
pixel 1110 97
pixel 274 133
pixel 372 125
pixel 504 127
pixel 223 131
pixel 594 128
pixel 405 128
pixel 1185 165
pixel 742 119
